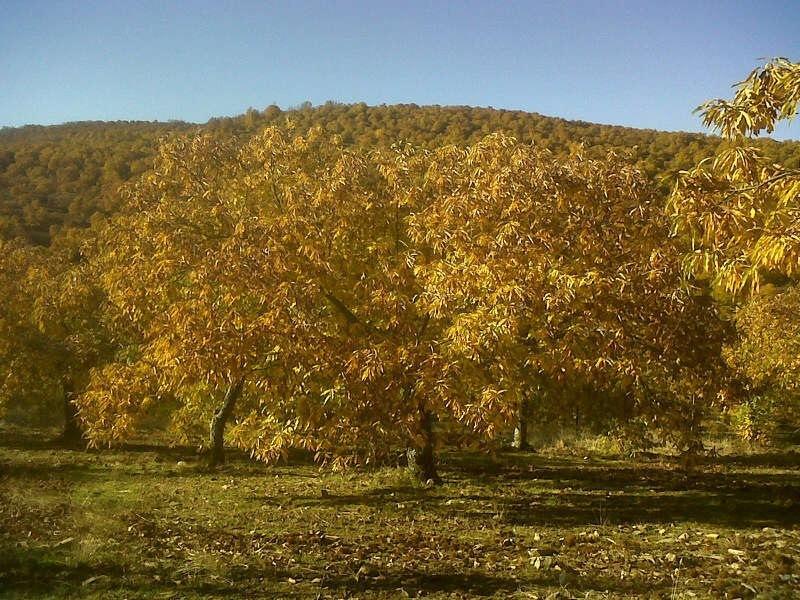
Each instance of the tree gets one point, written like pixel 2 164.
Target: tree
pixel 556 272
pixel 185 268
pixel 275 270
pixel 52 332
pixel 741 213
pixel 769 350
pixel 767 355
pixel 24 351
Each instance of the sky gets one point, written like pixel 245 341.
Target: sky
pixel 639 64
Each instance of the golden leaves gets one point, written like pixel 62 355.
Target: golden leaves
pixel 355 291
pixel 741 208
pixel 767 95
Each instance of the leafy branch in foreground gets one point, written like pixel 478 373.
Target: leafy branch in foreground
pixel 741 213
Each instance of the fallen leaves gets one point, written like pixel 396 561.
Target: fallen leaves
pixel 172 532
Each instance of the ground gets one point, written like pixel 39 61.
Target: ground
pixel 148 521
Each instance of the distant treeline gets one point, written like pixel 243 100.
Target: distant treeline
pixel 62 175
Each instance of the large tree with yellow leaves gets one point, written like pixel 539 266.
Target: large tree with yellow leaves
pixel 277 272
pixel 350 302
pixel 199 268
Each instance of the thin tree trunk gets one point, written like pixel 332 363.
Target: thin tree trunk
pixel 521 427
pixel 218 422
pixel 693 438
pixel 422 460
pixel 72 434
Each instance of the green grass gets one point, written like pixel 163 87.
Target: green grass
pixel 151 522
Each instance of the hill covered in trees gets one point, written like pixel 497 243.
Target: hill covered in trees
pixel 57 176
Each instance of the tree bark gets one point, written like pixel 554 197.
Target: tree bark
pixel 218 422
pixel 72 434
pixel 521 427
pixel 422 459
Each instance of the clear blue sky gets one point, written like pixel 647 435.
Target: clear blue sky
pixel 642 64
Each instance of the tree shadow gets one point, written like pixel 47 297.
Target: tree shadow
pixel 40 569
pixel 475 583
pixel 574 510
pixel 41 573
pixel 570 494
pixel 779 460
pixel 416 582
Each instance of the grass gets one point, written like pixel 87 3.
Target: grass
pixel 152 522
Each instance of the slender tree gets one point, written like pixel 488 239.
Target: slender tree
pixel 741 212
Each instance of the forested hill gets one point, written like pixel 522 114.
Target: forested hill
pixel 61 175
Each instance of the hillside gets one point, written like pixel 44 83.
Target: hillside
pixel 61 175
pixel 57 176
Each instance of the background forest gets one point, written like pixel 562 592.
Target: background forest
pixel 59 176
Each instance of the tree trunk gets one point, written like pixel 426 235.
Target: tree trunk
pixel 521 427
pixel 422 460
pixel 218 422
pixel 72 434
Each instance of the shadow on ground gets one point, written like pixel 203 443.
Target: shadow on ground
pixel 571 493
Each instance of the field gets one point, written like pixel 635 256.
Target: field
pixel 149 521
